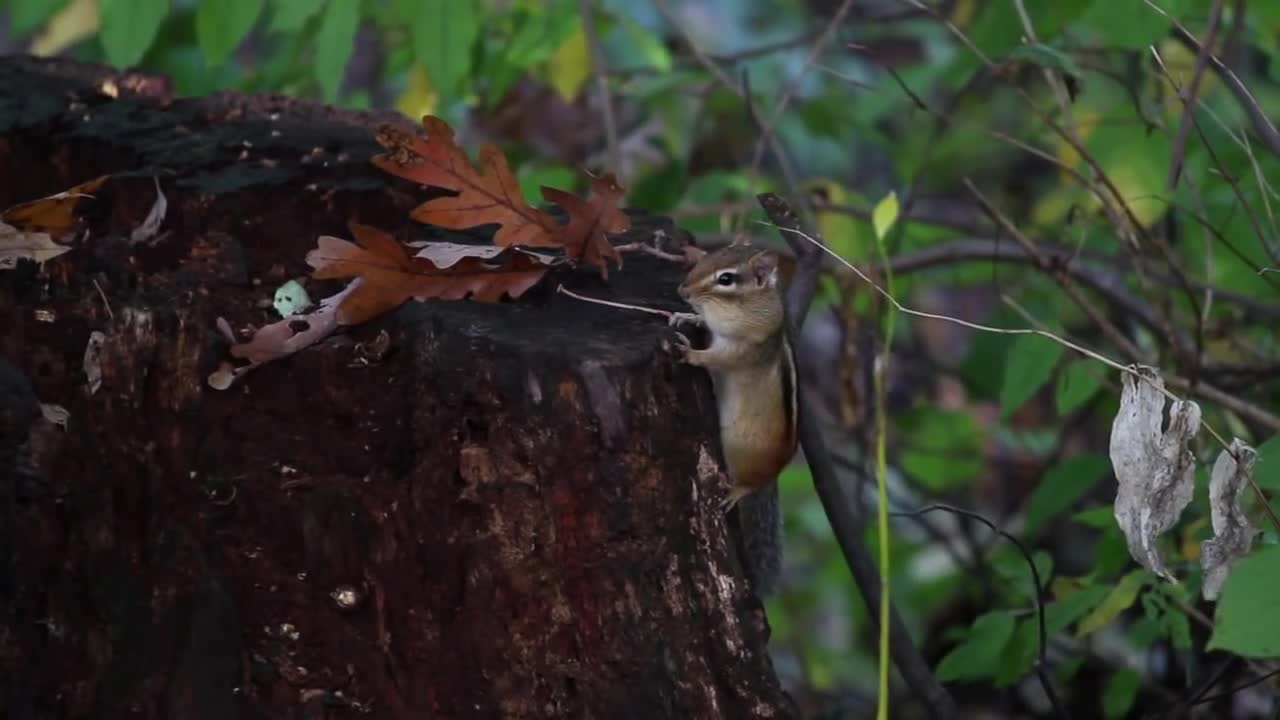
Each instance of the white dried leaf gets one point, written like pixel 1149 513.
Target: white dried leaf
pixel 16 245
pixel 55 414
pixel 447 254
pixel 93 360
pixel 155 218
pixel 1154 467
pixel 1233 534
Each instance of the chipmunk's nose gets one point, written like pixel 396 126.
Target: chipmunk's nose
pixel 683 291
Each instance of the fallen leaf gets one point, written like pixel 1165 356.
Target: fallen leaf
pixel 445 254
pixel 389 276
pixel 279 339
pixel 590 221
pixel 55 414
pixel 17 245
pixel 155 218
pixel 93 360
pixel 1154 468
pixel 488 196
pixel 54 214
pixel 1233 534
pixel 491 195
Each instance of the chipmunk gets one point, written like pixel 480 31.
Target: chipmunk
pixel 738 298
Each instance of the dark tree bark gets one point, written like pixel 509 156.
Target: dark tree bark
pixel 510 513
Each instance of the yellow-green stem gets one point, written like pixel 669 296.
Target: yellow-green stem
pixel 882 499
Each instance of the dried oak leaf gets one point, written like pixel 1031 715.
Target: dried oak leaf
pixel 590 221
pixel 54 215
pixel 488 196
pixel 1233 534
pixel 1154 467
pixel 386 275
pixel 492 195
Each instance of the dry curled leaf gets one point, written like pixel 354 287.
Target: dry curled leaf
pixel 491 195
pixel 17 245
pixel 279 339
pixel 1154 467
pixel 1233 534
pixel 590 221
pixel 155 218
pixel 389 276
pixel 55 214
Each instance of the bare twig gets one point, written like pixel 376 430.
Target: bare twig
pixel 845 524
pixel 1262 125
pixel 1037 595
pixel 1099 318
pixel 600 71
pixel 1188 96
pixel 1228 401
pixel 769 127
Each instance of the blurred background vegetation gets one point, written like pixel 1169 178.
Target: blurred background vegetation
pixel 1136 175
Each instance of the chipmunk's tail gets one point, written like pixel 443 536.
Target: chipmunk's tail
pixel 760 523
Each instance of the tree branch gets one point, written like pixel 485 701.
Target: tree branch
pixel 847 527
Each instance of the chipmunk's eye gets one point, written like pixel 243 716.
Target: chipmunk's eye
pixel 726 278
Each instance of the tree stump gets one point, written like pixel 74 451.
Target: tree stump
pixel 507 510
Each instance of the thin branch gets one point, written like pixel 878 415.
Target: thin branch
pixel 600 71
pixel 770 127
pixel 1262 126
pixel 847 527
pixel 1230 402
pixel 1188 96
pixel 1041 667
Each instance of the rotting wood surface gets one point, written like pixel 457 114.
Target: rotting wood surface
pixel 511 513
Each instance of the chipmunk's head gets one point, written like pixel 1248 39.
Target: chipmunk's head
pixel 736 290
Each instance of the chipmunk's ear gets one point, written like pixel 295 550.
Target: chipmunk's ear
pixel 764 268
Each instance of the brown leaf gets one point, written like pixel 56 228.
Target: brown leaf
pixel 590 221
pixel 55 214
pixel 492 195
pixel 488 196
pixel 386 276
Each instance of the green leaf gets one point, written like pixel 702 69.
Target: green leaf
pixel 1266 469
pixel 222 26
pixel 1121 597
pixel 334 42
pixel 1120 692
pixel 28 15
pixel 128 27
pixel 1244 622
pixel 885 214
pixel 1126 25
pixel 291 15
pixel 443 34
pixel 1064 484
pixel 1100 517
pixel 980 653
pixel 1029 365
pixel 1059 615
pixel 944 447
pixel 1077 382
pixel 1045 56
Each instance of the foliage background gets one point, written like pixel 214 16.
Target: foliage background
pixel 864 99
